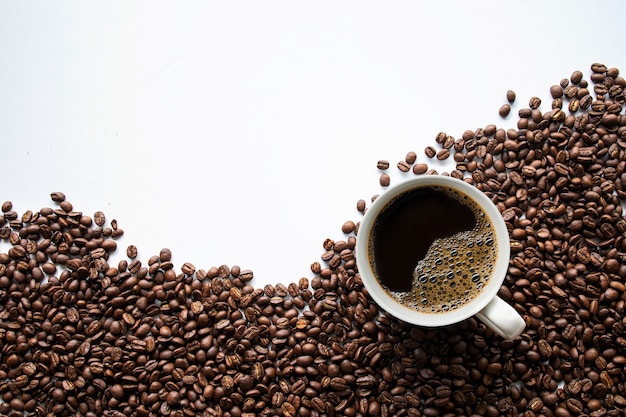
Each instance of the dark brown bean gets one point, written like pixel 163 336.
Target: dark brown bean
pixel 361 205
pixel 99 218
pixel 131 251
pixel 57 197
pixel 504 110
pixel 510 96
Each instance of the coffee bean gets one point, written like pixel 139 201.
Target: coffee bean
pixel 188 269
pixel 410 157
pixel 598 68
pixel 420 168
pixel 556 91
pixel 430 152
pixel 99 218
pixel 535 404
pixel 504 110
pixel 383 165
pixel 448 143
pixel 443 154
pixel 441 137
pixel 57 197
pixel 360 206
pixel 404 166
pixel 494 368
pixel 510 96
pixel 384 180
pixel 7 206
pixel 318 404
pixel 348 227
pixel 131 251
pixel 544 348
pixel 576 77
pixel 165 255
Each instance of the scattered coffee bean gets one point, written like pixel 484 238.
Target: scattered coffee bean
pixel 361 206
pixel 99 218
pixel 382 165
pixel 131 251
pixel 510 96
pixel 348 227
pixel 404 166
pixel 7 206
pixel 504 111
pixel 430 151
pixel 57 197
pixel 81 335
pixel 419 169
pixel 534 103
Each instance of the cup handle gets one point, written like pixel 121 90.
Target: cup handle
pixel 502 318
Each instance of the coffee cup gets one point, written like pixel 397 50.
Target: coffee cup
pixel 434 251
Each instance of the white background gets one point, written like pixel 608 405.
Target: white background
pixel 245 132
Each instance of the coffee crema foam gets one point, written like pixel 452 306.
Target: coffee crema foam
pixel 456 268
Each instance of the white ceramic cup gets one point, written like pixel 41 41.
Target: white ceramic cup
pixel 487 306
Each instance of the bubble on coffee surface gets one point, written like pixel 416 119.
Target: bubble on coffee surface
pixel 455 269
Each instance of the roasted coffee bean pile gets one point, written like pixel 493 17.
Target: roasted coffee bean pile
pixel 82 336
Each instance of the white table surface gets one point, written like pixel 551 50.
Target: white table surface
pixel 243 133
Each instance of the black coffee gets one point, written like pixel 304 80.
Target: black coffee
pixel 433 249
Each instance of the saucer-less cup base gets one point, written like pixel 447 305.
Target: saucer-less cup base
pixel 487 306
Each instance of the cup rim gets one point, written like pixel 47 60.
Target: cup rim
pixel 380 296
